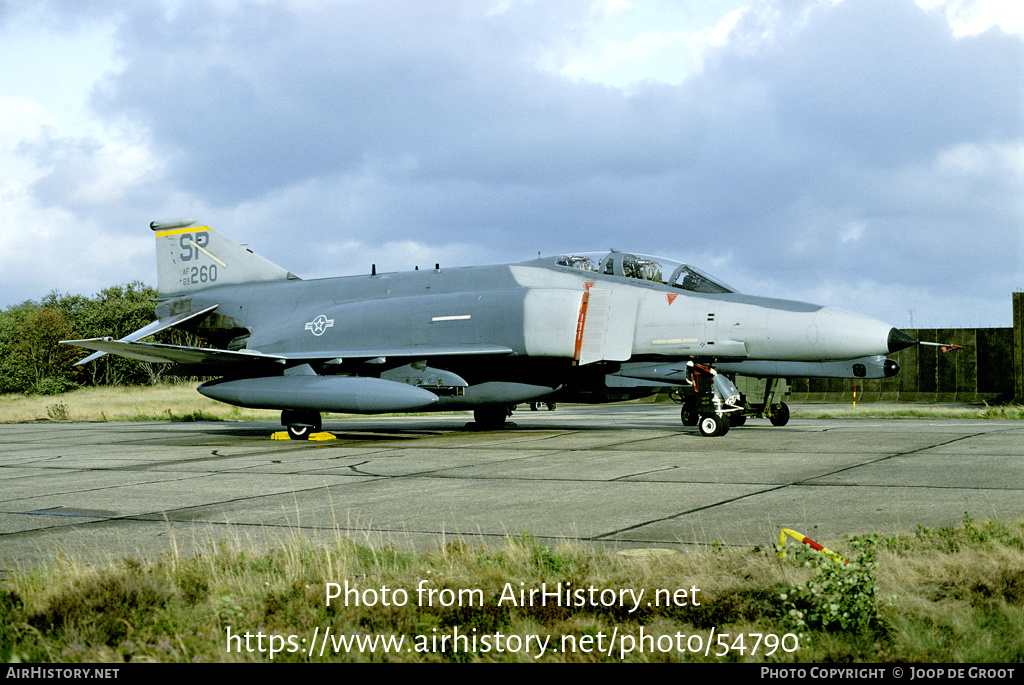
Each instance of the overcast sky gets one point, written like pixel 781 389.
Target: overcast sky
pixel 865 154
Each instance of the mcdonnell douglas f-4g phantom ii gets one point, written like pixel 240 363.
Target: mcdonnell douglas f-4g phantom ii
pixel 574 327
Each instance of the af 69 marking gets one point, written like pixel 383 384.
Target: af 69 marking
pixel 199 274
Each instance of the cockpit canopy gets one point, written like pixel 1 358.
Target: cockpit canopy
pixel 646 268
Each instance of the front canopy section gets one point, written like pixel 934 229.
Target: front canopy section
pixel 646 268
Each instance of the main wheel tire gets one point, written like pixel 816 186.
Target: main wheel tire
pixel 296 432
pixel 301 424
pixel 490 418
pixel 780 415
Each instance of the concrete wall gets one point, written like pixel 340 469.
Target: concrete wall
pixel 989 369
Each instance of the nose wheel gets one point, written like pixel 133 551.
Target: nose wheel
pixel 688 414
pixel 713 425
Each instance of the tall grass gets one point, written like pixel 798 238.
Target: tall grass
pixel 161 402
pixel 946 595
pixel 907 411
pixel 181 402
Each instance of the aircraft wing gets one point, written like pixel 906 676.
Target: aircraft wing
pixel 178 354
pixel 160 353
pixel 143 332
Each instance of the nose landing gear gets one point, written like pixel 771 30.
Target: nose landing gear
pixel 716 397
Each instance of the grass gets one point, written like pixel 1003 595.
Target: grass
pixel 907 411
pixel 164 402
pixel 946 595
pixel 949 595
pixel 181 402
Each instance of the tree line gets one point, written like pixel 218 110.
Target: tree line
pixel 32 360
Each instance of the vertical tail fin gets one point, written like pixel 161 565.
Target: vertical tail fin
pixel 191 258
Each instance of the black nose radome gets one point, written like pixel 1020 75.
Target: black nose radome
pixel 898 340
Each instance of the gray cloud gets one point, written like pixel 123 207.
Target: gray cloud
pixel 821 149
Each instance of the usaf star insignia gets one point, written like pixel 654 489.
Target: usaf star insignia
pixel 319 325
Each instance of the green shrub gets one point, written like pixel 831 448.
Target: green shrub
pixel 52 386
pixel 838 596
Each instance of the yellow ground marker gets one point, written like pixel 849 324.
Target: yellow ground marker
pixel 803 539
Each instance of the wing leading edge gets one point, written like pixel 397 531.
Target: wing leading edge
pixel 178 354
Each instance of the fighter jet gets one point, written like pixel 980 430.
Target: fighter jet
pixel 572 327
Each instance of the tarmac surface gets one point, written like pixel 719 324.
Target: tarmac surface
pixel 624 476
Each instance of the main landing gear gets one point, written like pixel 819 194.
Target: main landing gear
pixel 764 398
pixel 301 424
pixel 491 417
pixel 778 414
